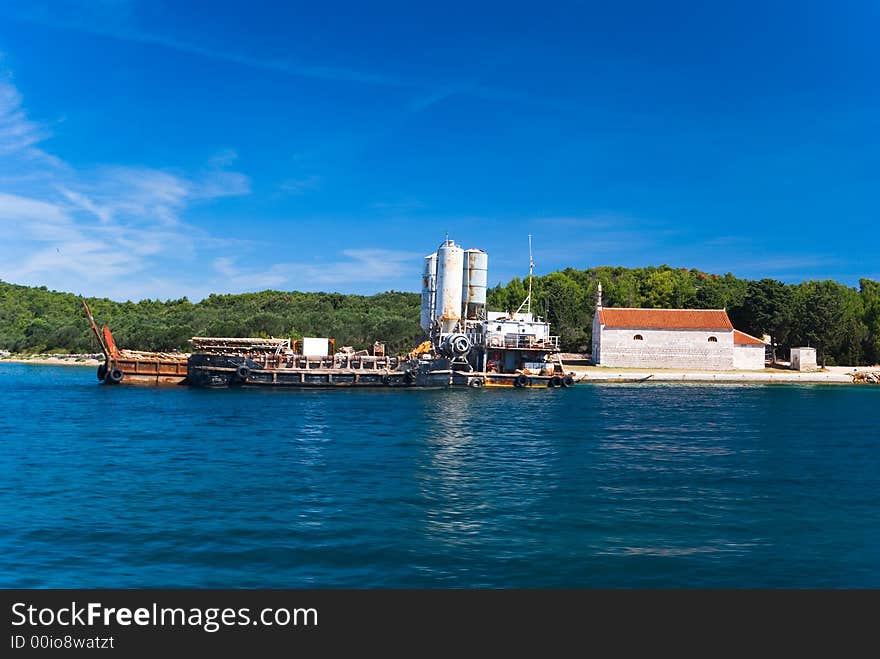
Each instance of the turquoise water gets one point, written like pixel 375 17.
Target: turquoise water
pixel 645 485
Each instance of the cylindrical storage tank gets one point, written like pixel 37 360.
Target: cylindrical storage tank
pixel 474 278
pixel 450 260
pixel 429 291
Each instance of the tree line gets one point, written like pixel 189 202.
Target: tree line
pixel 841 322
pixel 36 320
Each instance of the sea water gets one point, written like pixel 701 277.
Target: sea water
pixel 600 485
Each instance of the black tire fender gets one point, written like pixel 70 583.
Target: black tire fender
pixel 115 375
pixel 477 383
pixel 102 372
pixel 242 372
pixel 555 381
pixel 521 380
pixel 567 381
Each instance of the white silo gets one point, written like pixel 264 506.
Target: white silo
pixel 474 279
pixel 450 258
pixel 429 291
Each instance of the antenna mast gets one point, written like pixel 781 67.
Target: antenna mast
pixel 528 301
pixel 531 269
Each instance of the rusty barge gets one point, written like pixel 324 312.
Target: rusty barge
pixel 249 362
pixel 465 345
pixel 135 366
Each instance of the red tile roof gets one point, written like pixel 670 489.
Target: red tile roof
pixel 703 319
pixel 741 338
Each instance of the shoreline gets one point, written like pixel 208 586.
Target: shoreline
pixel 52 361
pixel 831 375
pixel 588 374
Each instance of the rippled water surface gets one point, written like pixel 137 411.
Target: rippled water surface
pixel 645 485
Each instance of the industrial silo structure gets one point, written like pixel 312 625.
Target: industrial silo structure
pixel 429 291
pixel 450 264
pixel 474 278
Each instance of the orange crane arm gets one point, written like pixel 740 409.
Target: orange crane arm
pixel 95 328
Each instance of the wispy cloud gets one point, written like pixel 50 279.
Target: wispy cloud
pixel 148 194
pixel 437 95
pixel 223 158
pixel 240 280
pixel 19 135
pixel 399 206
pixel 45 238
pixel 367 264
pixel 122 230
pixel 298 186
pixel 599 221
pixel 81 201
pixel 74 243
pixel 356 266
pixel 32 215
pixel 115 20
pixel 278 65
pixel 104 229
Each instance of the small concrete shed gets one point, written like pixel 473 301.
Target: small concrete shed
pixel 803 359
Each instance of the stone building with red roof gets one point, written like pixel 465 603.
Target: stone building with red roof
pixel 698 339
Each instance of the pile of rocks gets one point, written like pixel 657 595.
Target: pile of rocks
pixel 866 377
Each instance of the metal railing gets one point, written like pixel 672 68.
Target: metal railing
pixel 523 342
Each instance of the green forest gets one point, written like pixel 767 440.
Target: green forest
pixel 841 322
pixel 39 320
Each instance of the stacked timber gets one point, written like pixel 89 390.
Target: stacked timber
pixel 208 345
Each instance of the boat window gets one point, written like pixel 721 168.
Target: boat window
pixel 638 337
pixel 712 339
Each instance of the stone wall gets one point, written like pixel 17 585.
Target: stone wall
pixel 686 349
pixel 748 357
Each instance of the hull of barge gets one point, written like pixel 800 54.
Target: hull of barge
pixel 237 371
pixel 524 381
pixel 223 371
pixel 145 370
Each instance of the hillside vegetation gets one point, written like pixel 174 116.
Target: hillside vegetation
pixel 843 323
pixel 39 320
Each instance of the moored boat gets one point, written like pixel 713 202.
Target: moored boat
pixel 484 348
pixel 249 362
pixel 135 366
pixel 466 345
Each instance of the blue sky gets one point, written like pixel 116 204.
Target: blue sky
pixel 161 149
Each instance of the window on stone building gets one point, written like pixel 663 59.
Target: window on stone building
pixel 638 337
pixel 713 339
